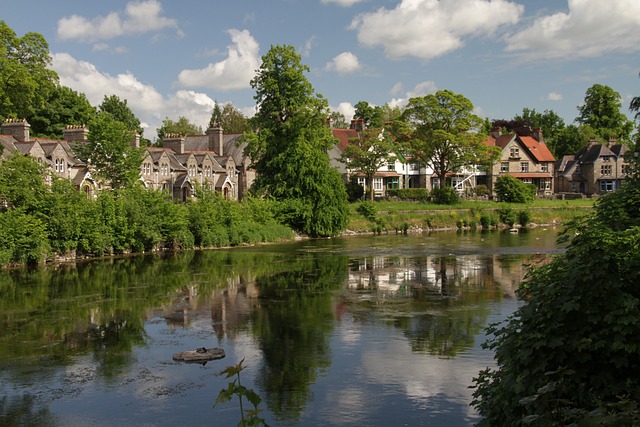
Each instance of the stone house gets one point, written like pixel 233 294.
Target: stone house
pixel 524 157
pixel 596 168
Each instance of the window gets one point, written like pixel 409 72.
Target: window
pixel 607 185
pixel 61 165
pixel 524 167
pixel 415 166
pixel 393 182
pixel 504 167
pixel 544 167
pixel 377 184
pixel 606 159
pixel 605 169
pixel 57 165
pixel 625 168
pixel 391 165
pixel 514 153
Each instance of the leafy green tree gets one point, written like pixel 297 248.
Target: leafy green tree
pixel 444 134
pixel 372 115
pixel 182 127
pixel 338 120
pixel 230 118
pixel 372 149
pixel 601 111
pixel 63 106
pixel 22 183
pixel 109 154
pixel 25 77
pixel 289 150
pixel 119 110
pixel 512 190
pixel 570 355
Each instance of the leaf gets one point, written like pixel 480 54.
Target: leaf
pixel 253 397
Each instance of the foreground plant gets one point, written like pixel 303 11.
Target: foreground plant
pixel 250 417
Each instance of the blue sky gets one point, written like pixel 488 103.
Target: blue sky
pixel 172 58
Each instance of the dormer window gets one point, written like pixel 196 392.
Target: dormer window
pixel 514 153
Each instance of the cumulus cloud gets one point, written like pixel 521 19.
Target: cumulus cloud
pixel 554 96
pixel 137 18
pixel 144 100
pixel 346 109
pixel 422 89
pixel 234 72
pixel 590 28
pixel 343 3
pixel 427 29
pixel 344 63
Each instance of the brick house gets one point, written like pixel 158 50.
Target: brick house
pixel 525 157
pixel 596 168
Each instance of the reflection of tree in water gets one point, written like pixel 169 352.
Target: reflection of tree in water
pixel 24 410
pixel 292 326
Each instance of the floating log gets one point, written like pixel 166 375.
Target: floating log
pixel 199 355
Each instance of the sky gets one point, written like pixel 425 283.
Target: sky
pixel 172 58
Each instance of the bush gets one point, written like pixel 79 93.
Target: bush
pixel 445 196
pixel 355 191
pixel 481 190
pixel 570 355
pixel 512 190
pixel 367 210
pixel 507 216
pixel 524 218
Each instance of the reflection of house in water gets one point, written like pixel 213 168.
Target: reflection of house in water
pixel 184 303
pixel 436 275
pixel 231 308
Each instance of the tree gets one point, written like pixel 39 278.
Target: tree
pixel 229 118
pixel 550 123
pixel 570 355
pixel 601 111
pixel 372 116
pixel 109 153
pixel 120 111
pixel 63 106
pixel 512 190
pixel 338 120
pixel 372 149
pixel 182 127
pixel 25 77
pixel 443 133
pixel 289 149
pixel 22 183
pixel 572 138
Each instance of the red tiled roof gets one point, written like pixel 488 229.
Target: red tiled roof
pixel 539 150
pixel 343 136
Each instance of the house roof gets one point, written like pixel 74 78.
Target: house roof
pixel 343 136
pixel 591 152
pixel 538 150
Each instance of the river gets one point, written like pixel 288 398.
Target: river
pixel 367 330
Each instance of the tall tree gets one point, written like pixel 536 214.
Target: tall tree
pixel 25 79
pixel 63 106
pixel 182 126
pixel 372 115
pixel 444 133
pixel 338 120
pixel 229 118
pixel 289 148
pixel 372 149
pixel 550 123
pixel 109 153
pixel 601 111
pixel 119 110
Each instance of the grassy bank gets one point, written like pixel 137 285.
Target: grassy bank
pixel 391 216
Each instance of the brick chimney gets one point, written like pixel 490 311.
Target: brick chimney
pixel 18 128
pixel 216 139
pixel 174 141
pixel 612 140
pixel 135 141
pixel 496 132
pixel 75 133
pixel 357 125
pixel 537 134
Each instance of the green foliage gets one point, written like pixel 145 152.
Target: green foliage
pixel 601 111
pixel 481 190
pixel 570 355
pixel 229 118
pixel 23 238
pixel 507 216
pixel 181 127
pixel 289 151
pixel 445 196
pixel 252 416
pixel 421 194
pixel 524 218
pixel 354 189
pixel 120 112
pixel 22 183
pixel 372 115
pixel 512 190
pixel 367 210
pixel 63 107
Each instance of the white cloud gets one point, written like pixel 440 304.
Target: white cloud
pixel 346 109
pixel 344 63
pixel 422 89
pixel 430 28
pixel 306 50
pixel 137 18
pixel 234 72
pixel 554 96
pixel 343 3
pixel 590 28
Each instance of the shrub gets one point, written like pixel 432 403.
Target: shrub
pixel 355 191
pixel 513 190
pixel 481 190
pixel 367 210
pixel 507 216
pixel 421 194
pixel 445 196
pixel 524 218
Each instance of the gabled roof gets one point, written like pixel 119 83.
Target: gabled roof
pixel 538 150
pixel 343 136
pixel 591 152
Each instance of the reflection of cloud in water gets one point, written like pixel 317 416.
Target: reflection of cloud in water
pixel 422 379
pixel 346 406
pixel 349 336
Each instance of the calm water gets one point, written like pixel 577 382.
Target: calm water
pixel 376 331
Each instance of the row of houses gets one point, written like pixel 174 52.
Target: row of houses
pixel 597 168
pixel 214 160
pixel 217 161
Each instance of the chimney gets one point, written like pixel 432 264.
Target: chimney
pixel 330 122
pixel 357 125
pixel 537 134
pixel 135 141
pixel 18 128
pixel 75 133
pixel 612 141
pixel 174 141
pixel 216 140
pixel 496 132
